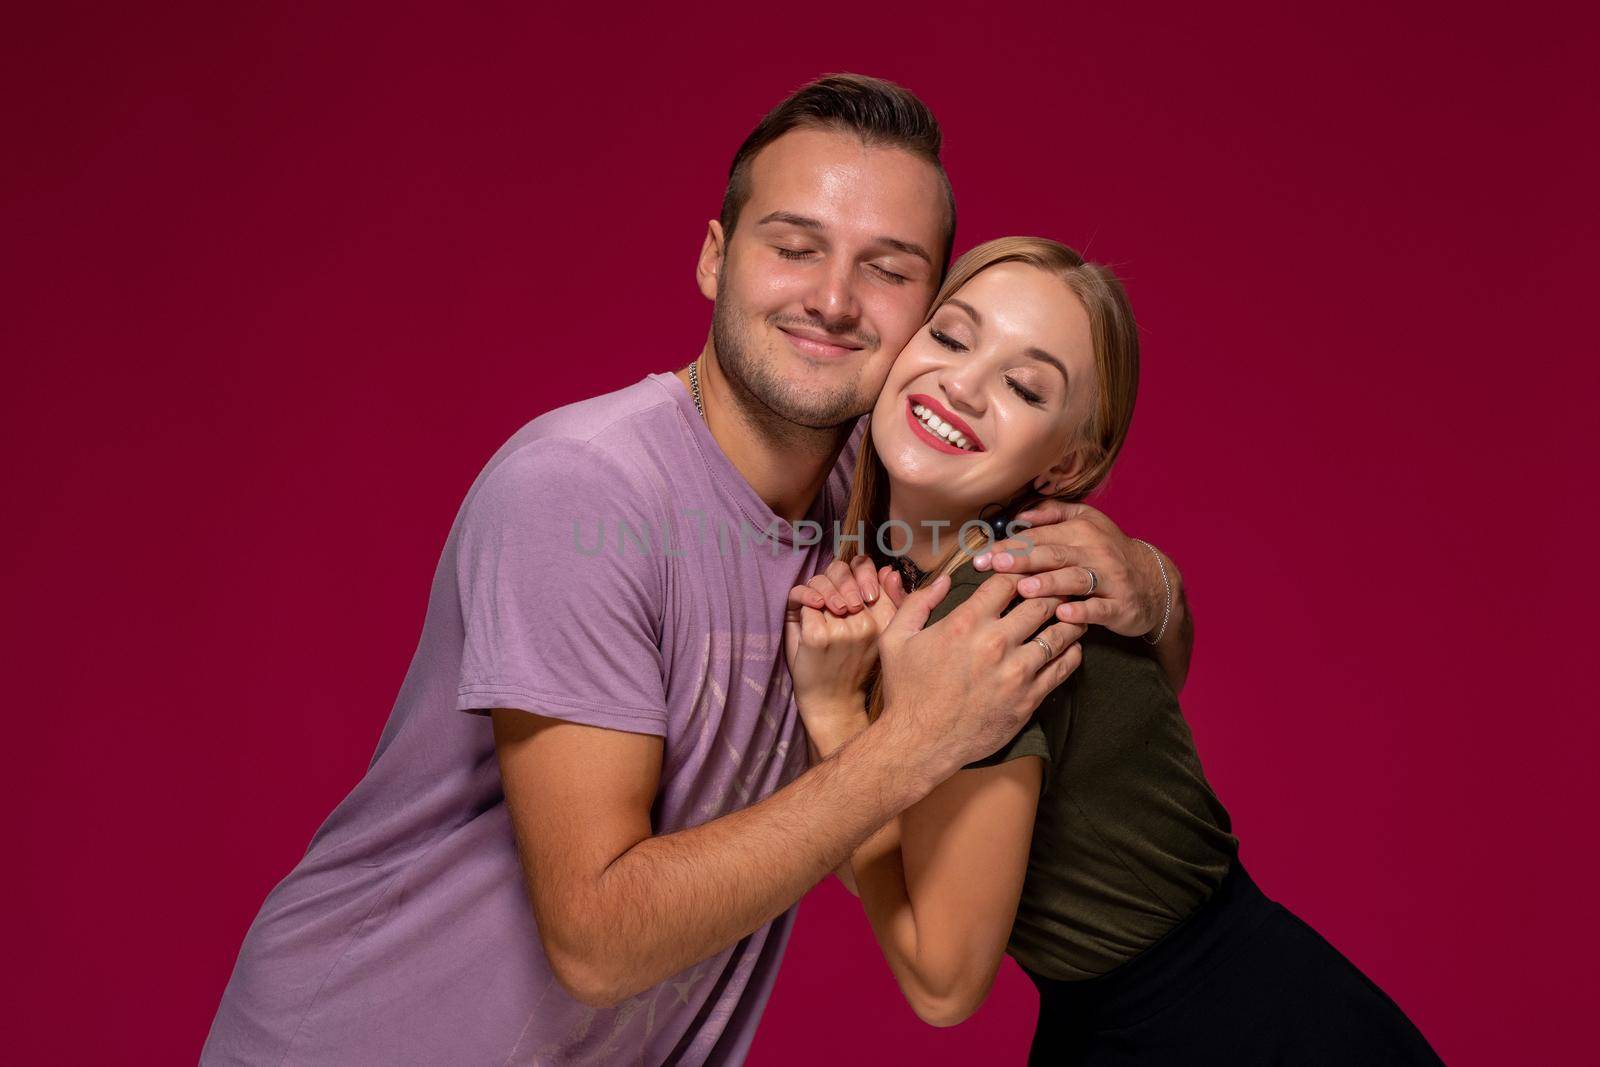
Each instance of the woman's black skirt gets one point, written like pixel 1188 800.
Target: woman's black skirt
pixel 1240 982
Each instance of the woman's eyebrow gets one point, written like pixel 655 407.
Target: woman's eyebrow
pixel 977 319
pixel 1032 353
pixel 1044 357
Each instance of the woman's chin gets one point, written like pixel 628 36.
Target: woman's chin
pixel 905 468
pixel 929 488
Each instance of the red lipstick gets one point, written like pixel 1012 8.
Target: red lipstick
pixel 932 439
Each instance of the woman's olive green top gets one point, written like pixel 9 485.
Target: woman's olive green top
pixel 1129 839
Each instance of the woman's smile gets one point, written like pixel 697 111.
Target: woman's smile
pixel 939 428
pixel 1012 351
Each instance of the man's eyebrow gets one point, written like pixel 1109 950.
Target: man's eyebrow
pixel 802 221
pixel 908 247
pixel 1032 353
pixel 806 222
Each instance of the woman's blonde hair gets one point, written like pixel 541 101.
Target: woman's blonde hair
pixel 1099 439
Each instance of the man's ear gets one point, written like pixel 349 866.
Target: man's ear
pixel 709 266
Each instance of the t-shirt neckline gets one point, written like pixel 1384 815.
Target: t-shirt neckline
pixel 722 469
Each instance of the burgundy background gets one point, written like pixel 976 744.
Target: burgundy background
pixel 276 284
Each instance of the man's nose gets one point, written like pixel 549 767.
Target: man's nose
pixel 833 298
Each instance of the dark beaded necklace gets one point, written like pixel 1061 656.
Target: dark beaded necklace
pixel 911 575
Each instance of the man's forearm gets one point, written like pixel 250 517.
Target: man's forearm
pixel 671 901
pixel 1176 646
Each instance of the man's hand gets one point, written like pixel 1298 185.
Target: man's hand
pixel 1068 542
pixel 958 690
pixel 1127 594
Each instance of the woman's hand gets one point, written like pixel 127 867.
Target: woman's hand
pixel 845 588
pixel 831 657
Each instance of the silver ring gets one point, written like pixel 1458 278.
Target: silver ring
pixel 1049 653
pixel 1094 582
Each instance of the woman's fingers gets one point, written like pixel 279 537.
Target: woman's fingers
pixel 805 596
pixel 866 577
pixel 849 587
pixel 800 598
pixel 839 575
pixel 883 609
pixel 890 582
pixel 814 627
pixel 833 599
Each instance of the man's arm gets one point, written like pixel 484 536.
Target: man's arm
pixel 620 910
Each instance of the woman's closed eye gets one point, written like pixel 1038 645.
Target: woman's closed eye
pixel 1028 395
pixel 1024 392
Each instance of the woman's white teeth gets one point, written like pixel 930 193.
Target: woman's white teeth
pixel 941 428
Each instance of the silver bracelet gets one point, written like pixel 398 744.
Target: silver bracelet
pixel 1165 584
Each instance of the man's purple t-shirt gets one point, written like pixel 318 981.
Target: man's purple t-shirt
pixel 611 567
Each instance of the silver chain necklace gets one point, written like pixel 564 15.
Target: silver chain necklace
pixel 694 386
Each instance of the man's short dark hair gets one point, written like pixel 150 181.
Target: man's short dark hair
pixel 879 112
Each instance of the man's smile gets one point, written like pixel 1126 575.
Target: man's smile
pixel 820 344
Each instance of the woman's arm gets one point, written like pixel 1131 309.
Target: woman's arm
pixel 835 722
pixel 940 885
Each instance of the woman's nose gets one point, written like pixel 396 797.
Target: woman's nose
pixel 963 384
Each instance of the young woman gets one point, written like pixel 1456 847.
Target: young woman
pixel 1091 847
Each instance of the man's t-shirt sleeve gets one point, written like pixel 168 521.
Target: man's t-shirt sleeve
pixel 561 588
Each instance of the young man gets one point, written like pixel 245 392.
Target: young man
pixel 634 768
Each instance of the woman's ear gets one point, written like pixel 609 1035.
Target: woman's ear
pixel 1063 475
pixel 709 265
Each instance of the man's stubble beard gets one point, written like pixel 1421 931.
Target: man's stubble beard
pixel 774 405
